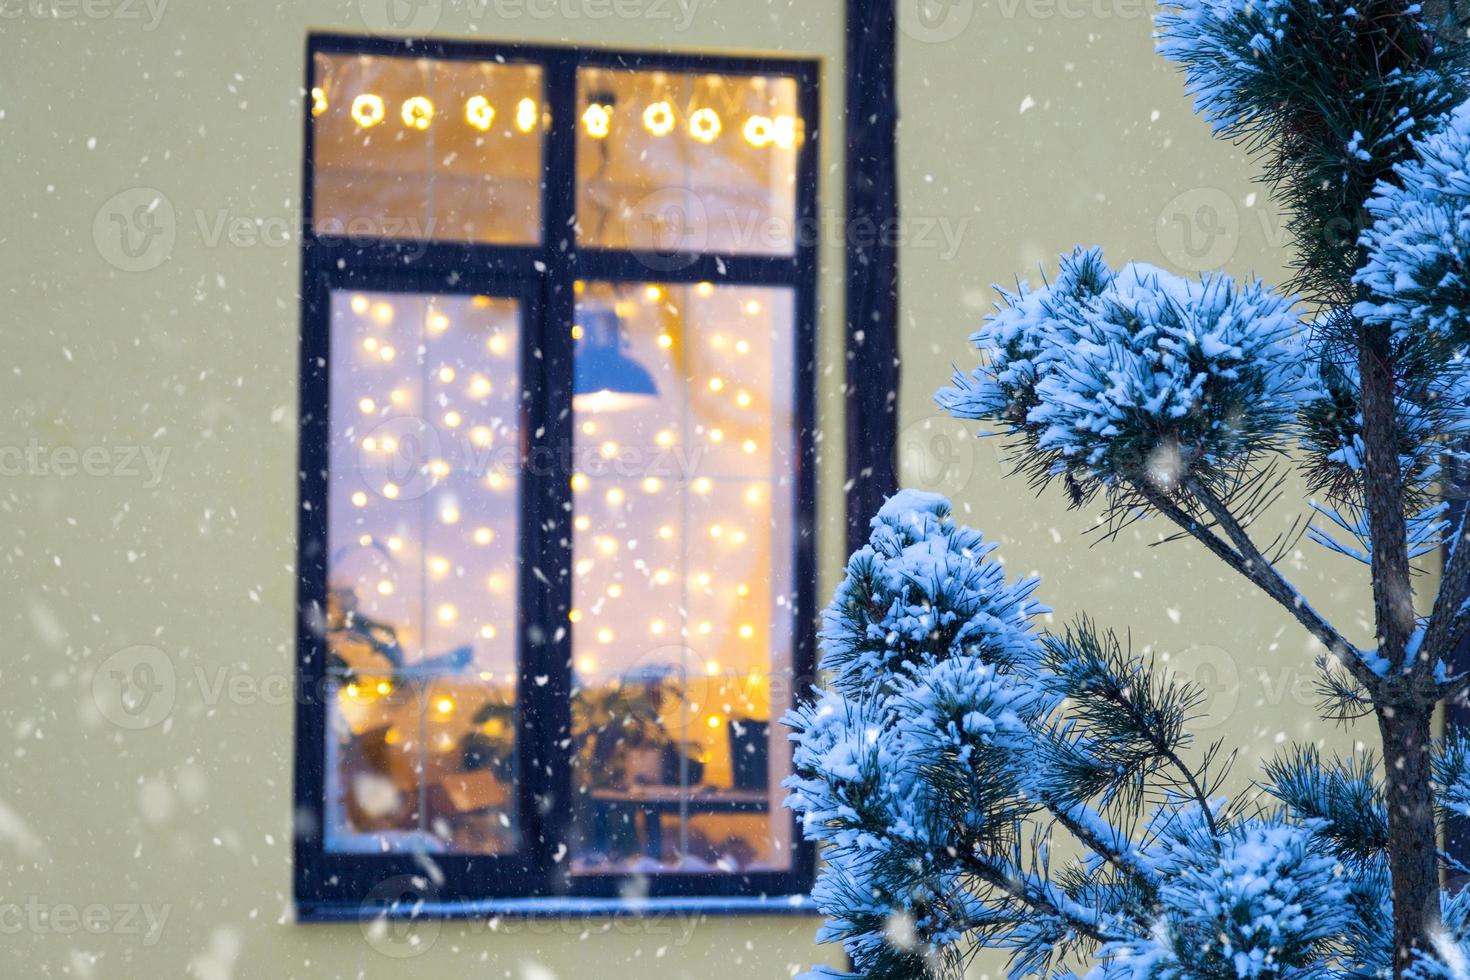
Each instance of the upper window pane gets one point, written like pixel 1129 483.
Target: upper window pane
pixel 670 162
pixel 427 149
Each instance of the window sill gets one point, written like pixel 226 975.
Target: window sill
pixel 561 908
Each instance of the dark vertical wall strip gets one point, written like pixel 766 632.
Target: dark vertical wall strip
pixel 872 261
pixel 1457 712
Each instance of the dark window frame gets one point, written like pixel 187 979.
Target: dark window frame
pixel 333 886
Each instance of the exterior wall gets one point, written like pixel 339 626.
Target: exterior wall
pixel 191 818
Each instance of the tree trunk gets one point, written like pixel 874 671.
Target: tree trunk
pixel 1412 835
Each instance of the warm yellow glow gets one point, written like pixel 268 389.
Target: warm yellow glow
pixel 747 631
pixel 392 737
pixel 444 706
pixel 607 546
pixel 366 406
pixel 608 449
pixel 656 627
pixel 704 125
pixel 759 131
pixel 446 374
pixel 574 615
pixel 487 632
pixel 586 663
pixel 439 468
pixel 483 535
pixel 498 345
pixel 738 537
pixel 666 532
pixel 318 101
pixel 702 580
pixel 664 438
pixel 448 513
pixel 395 543
pixel 705 289
pixel 614 496
pixel 597 120
pixel 785 132
pixel 577 331
pixel 390 490
pixel 384 688
pixel 387 353
pixel 367 110
pixel 479 113
pixel 658 118
pixel 496 481
pixel 585 565
pixel 748 445
pixel 665 341
pixel 702 485
pixel 452 418
pixel 481 436
pixel 447 613
pixel 716 435
pixel 359 304
pixel 352 690
pixel 398 397
pixel 662 577
pixel 742 398
pixel 742 347
pixel 706 628
pixel 742 589
pixel 526 115
pixel 438 322
pixel 589 428
pixel 480 387
pixel 614 591
pixel 438 566
pixel 582 523
pixel 752 307
pixel 652 484
pixel 716 530
pixel 716 384
pixel 653 293
pixel 382 314
pixel 713 721
pixel 365 540
pixel 604 635
pixel 359 499
pixel 711 667
pixel 417 112
pixel 495 583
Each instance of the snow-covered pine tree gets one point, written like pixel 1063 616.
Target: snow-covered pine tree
pixel 957 749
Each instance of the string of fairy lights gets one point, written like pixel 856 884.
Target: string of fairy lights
pixel 660 118
pixel 449 382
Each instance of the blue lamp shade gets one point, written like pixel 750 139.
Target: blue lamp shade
pixel 605 379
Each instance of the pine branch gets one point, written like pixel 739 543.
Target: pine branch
pixel 1035 895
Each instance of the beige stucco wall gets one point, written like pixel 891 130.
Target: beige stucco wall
pixel 197 358
pixel 1028 125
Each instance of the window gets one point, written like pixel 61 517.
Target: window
pixel 556 531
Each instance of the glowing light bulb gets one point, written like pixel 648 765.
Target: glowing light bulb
pixel 416 112
pixel 439 468
pixel 615 496
pixel 713 721
pixel 702 485
pixel 608 449
pixel 318 101
pixel 658 119
pixel 614 591
pixel 738 537
pixel 752 308
pixel 748 445
pixel 604 635
pixel 759 131
pixel 747 631
pixel 784 132
pixel 704 125
pixel 365 540
pixel 447 613
pixel 711 667
pixel 384 688
pixel 382 314
pixel 589 428
pixel 586 663
pixel 385 587
pixel 448 514
pixel 665 533
pixel 359 499
pixel 574 615
pixel 481 436
pixel 657 627
pixel 526 115
pixel 387 353
pixel 367 110
pixel 664 438
pixel 584 566
pixel 366 406
pixel 438 322
pixel 359 304
pixel 702 580
pixel 653 293
pixel 479 113
pixel 705 289
pixel 398 396
pixel 496 481
pixel 742 399
pixel 652 484
pixel 662 577
pixel 742 589
pixel 390 490
pixel 742 347
pixel 579 481
pixel 480 387
pixel 495 583
pixel 665 341
pixel 452 418
pixel 716 531
pixel 607 546
pixel 483 535
pixel 716 384
pixel 716 435
pixel 498 345
pixel 706 628
pixel 446 374
pixel 487 632
pixel 597 120
pixel 582 523
pixel 439 567
pixel 395 543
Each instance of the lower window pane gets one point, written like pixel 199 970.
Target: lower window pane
pixel 421 571
pixel 682 629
